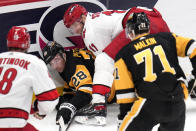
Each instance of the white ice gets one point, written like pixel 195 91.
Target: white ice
pixel 48 123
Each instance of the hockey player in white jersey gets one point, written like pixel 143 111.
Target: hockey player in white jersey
pixel 22 74
pixel 99 30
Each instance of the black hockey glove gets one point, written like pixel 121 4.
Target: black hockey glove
pixel 66 112
pixel 63 99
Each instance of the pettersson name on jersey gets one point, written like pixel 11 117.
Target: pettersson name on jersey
pixel 15 61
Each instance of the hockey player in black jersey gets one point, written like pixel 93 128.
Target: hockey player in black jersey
pixel 154 69
pixel 76 68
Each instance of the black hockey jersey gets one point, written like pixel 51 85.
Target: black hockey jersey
pixel 148 56
pixel 79 69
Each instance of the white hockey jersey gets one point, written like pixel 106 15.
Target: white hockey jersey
pixel 20 75
pixel 100 28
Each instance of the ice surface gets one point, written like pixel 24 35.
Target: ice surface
pixel 48 123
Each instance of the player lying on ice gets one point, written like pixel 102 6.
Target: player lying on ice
pixel 104 35
pixel 21 74
pixel 152 60
pixel 76 68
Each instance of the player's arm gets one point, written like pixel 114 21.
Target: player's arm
pixel 82 82
pixel 184 46
pixel 187 47
pixel 44 88
pixel 116 44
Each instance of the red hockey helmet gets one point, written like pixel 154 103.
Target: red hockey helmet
pixel 72 14
pixel 18 37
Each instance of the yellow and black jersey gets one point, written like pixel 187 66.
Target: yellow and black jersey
pixel 78 70
pixel 149 55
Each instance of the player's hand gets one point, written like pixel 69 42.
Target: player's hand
pixel 38 116
pixel 66 111
pixel 64 98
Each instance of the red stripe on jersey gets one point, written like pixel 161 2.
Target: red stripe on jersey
pixel 14 2
pixel 13 113
pixel 117 43
pixel 28 127
pixel 48 96
pixel 157 24
pixel 101 89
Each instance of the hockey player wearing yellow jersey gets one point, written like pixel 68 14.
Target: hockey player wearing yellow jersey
pixel 152 62
pixel 76 68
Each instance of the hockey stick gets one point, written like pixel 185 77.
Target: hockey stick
pixel 62 126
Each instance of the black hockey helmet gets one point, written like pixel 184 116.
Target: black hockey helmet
pixel 50 50
pixel 138 22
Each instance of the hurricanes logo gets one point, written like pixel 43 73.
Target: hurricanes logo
pixel 52 28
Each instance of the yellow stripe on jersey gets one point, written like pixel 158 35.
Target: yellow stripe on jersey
pixel 185 90
pixel 123 81
pixel 80 78
pixel 126 100
pixel 181 43
pixel 112 93
pixel 87 91
pixel 137 106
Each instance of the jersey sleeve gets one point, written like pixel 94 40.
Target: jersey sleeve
pixel 182 45
pixel 44 88
pixel 124 86
pixel 186 47
pixel 81 80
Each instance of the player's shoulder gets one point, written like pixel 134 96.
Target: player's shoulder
pixel 35 61
pixel 164 34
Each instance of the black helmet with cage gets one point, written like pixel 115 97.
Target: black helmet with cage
pixel 51 50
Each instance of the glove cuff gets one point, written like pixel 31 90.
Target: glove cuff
pixel 69 106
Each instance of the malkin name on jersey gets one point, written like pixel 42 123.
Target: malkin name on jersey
pixel 144 43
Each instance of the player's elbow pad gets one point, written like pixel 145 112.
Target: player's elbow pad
pixel 104 68
pixel 46 107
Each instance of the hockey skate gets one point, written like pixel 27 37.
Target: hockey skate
pixel 92 114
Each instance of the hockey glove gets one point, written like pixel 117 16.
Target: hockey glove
pixel 64 98
pixel 66 112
